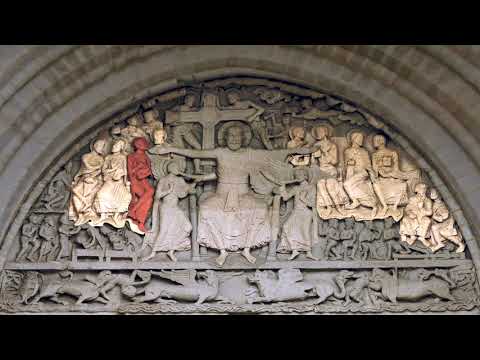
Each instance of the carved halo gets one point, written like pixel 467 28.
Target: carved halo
pixel 180 161
pixel 290 131
pixel 247 132
pixel 325 125
pixel 354 131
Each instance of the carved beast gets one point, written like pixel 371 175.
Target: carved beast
pixel 393 289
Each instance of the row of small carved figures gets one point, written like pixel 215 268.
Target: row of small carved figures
pixel 50 237
pixel 369 240
pixel 187 286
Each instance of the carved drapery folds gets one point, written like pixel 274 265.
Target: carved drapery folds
pixel 304 192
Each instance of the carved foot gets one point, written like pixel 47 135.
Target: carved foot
pixel 221 259
pixel 382 212
pixel 172 256
pixel 309 255
pixel 437 247
pixel 246 254
pixel 295 253
pixel 148 257
pixel 353 205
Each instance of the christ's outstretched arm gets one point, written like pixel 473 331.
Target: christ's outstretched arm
pixel 195 154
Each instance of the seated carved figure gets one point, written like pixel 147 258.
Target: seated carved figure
pixel 390 182
pixel 330 192
pixel 443 227
pixel 297 136
pixel 358 183
pixel 86 184
pixel 113 198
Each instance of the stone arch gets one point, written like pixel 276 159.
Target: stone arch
pixel 412 89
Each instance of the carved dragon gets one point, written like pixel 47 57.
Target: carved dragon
pixel 290 286
pixel 189 289
pixel 393 289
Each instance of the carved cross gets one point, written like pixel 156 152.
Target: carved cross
pixel 208 117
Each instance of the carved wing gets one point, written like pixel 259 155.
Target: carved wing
pixel 158 165
pixel 182 277
pixel 268 174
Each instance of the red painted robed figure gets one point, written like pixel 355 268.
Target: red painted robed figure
pixel 139 169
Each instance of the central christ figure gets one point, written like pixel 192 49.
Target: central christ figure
pixel 233 218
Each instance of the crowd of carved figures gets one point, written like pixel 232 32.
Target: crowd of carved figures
pixel 250 170
pixel 237 158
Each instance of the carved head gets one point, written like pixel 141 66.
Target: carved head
pixel 209 276
pixel 116 131
pixel 159 136
pixel 369 224
pixel 297 133
pixel 333 223
pixel 301 174
pixel 234 137
pixel 189 100
pixel 133 121
pixel 150 116
pixel 129 290
pixel 307 103
pixel 356 138
pixel 421 189
pixel 140 143
pixel 173 168
pixel 99 146
pixel 376 279
pixel 345 275
pixel 118 146
pixel 389 222
pixel 434 195
pixel 233 97
pixel 320 132
pixel 51 220
pixel 379 141
pixel 36 218
pixel 349 223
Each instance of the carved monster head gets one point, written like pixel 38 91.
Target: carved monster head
pixel 377 278
pixel 209 276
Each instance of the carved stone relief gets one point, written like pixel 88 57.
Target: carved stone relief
pixel 236 196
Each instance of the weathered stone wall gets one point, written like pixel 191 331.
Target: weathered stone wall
pixel 50 95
